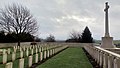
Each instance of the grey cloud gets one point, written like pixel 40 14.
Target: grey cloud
pixel 48 11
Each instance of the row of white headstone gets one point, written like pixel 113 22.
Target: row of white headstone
pixel 45 52
pixel 103 57
pixel 28 50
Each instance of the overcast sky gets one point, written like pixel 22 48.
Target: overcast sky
pixel 60 17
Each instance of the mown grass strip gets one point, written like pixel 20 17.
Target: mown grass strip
pixel 70 58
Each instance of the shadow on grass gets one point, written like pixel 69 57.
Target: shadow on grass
pixel 92 61
pixel 40 62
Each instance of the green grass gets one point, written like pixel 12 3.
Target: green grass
pixel 70 58
pixel 16 63
pixel 116 41
pixel 9 58
pixel 33 58
pixel 1 59
pixel 26 62
pixel 2 65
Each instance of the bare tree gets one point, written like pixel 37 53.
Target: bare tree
pixel 51 38
pixel 74 37
pixel 16 18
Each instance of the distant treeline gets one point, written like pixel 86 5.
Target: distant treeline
pixel 12 37
pixel 84 37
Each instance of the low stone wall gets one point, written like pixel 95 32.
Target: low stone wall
pixel 2 45
pixel 78 44
pixel 27 44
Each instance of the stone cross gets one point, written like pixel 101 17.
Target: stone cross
pixel 106 20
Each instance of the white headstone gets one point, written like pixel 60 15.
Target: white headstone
pixel 4 58
pixel 9 65
pixel 24 48
pixel 8 50
pixel 48 53
pixel 21 54
pixel 13 56
pixel 36 58
pixel 31 51
pixel 30 61
pixel 27 52
pixel 36 50
pixel 117 63
pixel 4 51
pixel 45 54
pixel 54 51
pixel 39 50
pixel 30 48
pixel 51 52
pixel 21 63
pixel 18 47
pixel 14 49
pixel 110 61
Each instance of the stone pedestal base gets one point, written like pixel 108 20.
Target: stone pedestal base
pixel 107 42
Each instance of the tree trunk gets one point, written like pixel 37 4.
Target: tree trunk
pixel 18 39
pixel 18 43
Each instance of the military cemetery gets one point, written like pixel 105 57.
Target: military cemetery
pixel 21 48
pixel 17 57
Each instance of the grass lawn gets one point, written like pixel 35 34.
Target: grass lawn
pixel 69 58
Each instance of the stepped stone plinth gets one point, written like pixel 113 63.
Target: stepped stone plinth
pixel 107 42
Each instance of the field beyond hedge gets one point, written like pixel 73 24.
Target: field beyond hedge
pixel 69 58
